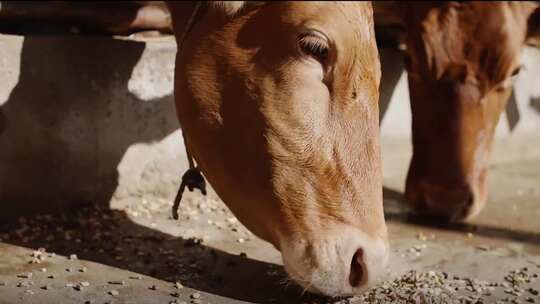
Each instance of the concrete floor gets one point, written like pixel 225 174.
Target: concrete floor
pixel 134 253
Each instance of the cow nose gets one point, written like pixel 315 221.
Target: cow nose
pixel 447 203
pixel 464 207
pixel 358 274
pixel 345 262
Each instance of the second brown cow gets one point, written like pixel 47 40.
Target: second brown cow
pixel 461 61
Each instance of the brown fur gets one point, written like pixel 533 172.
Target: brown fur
pixel 290 145
pixel 461 57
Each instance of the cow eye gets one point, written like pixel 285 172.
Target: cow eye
pixel 508 82
pixel 314 45
pixel 515 73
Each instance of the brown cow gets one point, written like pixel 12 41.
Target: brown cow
pixel 278 102
pixel 461 62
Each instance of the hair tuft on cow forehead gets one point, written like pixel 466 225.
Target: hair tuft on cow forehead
pixel 228 7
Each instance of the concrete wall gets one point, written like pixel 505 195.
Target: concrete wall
pixel 87 119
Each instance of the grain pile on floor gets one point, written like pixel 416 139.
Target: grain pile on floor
pixel 437 287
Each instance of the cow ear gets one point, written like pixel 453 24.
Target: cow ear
pixel 533 27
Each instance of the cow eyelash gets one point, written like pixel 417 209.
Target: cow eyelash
pixel 510 80
pixel 313 45
pixel 513 77
pixel 516 72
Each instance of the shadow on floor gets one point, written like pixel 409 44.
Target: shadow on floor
pixel 136 248
pixel 127 245
pixel 396 211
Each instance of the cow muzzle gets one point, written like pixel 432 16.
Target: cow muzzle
pixel 342 263
pixel 445 202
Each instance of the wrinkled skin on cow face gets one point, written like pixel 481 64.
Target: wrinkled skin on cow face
pixel 279 107
pixel 461 61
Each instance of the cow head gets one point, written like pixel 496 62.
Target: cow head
pixel 461 61
pixel 278 102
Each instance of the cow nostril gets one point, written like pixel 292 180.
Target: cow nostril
pixel 469 200
pixel 358 272
pixel 465 208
